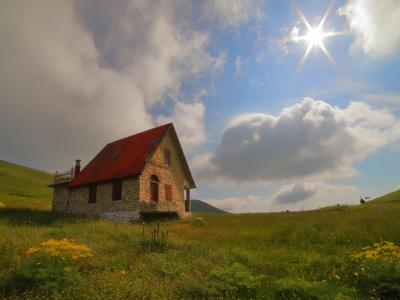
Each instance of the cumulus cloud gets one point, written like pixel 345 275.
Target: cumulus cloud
pixel 304 195
pixel 307 141
pixel 375 25
pixel 189 117
pixel 233 13
pixel 299 192
pixel 78 74
pixel 235 204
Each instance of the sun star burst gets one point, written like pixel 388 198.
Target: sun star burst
pixel 315 36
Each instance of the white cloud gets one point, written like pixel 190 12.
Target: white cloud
pixel 311 140
pixel 300 192
pixel 304 195
pixel 235 204
pixel 375 25
pixel 233 13
pixel 78 74
pixel 389 100
pixel 188 120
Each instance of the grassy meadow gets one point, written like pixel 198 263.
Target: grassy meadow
pixel 316 254
pixel 24 187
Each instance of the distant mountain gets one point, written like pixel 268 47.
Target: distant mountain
pixel 201 206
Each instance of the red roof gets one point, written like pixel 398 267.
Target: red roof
pixel 122 158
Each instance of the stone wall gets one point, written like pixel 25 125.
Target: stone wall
pixel 60 195
pixel 78 200
pixel 173 175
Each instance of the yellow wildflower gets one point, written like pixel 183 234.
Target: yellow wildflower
pixel 67 268
pixel 32 250
pixel 384 251
pixel 63 249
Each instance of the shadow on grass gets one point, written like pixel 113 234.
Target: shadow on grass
pixel 32 217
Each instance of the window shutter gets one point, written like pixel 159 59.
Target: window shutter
pixel 168 192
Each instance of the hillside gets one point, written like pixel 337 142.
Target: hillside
pixel 391 197
pixel 24 187
pixel 201 206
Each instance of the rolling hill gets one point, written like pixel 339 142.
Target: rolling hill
pixel 390 197
pixel 201 206
pixel 24 187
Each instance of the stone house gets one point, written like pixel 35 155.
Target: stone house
pixel 143 175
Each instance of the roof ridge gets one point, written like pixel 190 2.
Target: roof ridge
pixel 141 132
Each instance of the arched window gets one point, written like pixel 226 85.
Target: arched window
pixel 154 188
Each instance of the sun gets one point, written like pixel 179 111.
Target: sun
pixel 315 36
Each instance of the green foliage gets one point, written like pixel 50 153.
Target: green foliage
pixel 171 268
pixel 193 289
pixel 154 241
pixel 375 270
pixel 234 281
pixel 47 273
pixel 291 289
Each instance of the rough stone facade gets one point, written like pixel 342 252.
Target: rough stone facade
pixel 136 197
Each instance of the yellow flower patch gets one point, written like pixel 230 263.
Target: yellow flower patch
pixel 63 249
pixel 385 251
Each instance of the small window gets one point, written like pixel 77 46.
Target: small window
pixel 168 192
pixel 92 193
pixel 167 157
pixel 117 190
pixel 154 188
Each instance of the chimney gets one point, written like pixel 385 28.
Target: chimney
pixel 77 167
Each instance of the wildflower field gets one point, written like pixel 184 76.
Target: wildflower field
pixel 332 253
pixel 341 252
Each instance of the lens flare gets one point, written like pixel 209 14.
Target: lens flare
pixel 315 36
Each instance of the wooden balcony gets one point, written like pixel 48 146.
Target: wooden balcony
pixel 63 177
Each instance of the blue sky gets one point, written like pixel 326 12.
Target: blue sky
pixel 261 131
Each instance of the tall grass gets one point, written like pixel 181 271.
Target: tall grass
pixel 273 255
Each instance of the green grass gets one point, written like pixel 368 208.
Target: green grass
pixel 24 187
pixel 391 197
pixel 288 255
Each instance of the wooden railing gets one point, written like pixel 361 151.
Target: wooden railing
pixel 64 177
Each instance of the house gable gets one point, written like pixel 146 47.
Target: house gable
pixel 174 177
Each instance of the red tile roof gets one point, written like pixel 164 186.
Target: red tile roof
pixel 123 158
